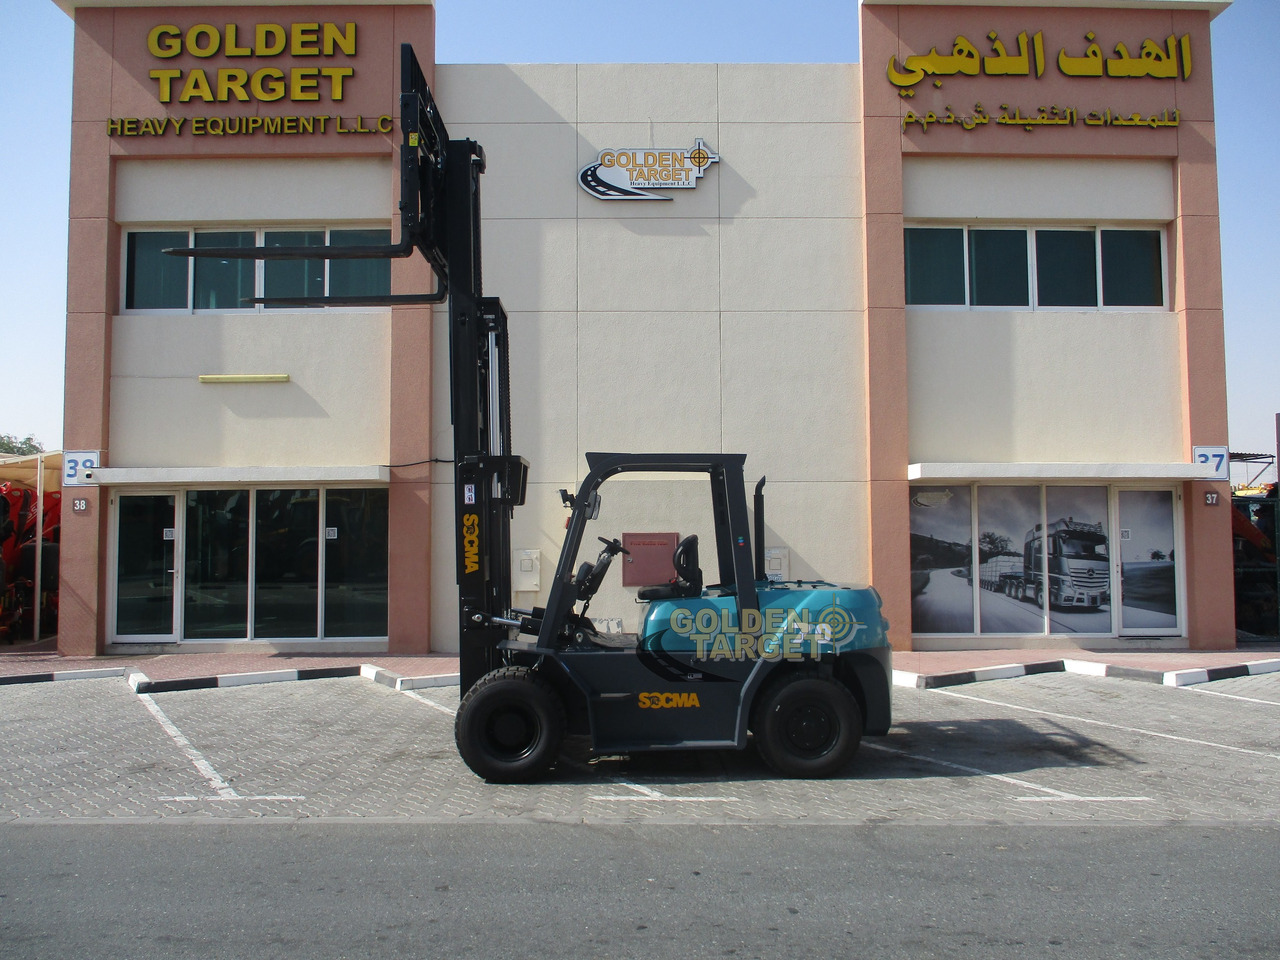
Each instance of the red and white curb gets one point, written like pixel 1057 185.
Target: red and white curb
pixel 1091 668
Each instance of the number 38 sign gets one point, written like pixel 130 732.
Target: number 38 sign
pixel 78 467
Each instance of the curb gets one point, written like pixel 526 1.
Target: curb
pixel 1090 668
pixel 141 683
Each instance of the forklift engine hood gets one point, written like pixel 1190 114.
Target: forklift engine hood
pixel 797 620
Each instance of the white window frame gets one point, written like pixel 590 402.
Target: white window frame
pixel 259 273
pixel 1032 279
pixel 1117 631
pixel 179 574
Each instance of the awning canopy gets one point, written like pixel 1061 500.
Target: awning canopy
pixel 23 470
pixel 1039 472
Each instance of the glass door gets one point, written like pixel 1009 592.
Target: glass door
pixel 1148 562
pixel 146 541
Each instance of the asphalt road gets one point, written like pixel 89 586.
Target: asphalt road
pixel 1053 815
pixel 305 890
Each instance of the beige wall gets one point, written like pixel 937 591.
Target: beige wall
pixel 1023 387
pixel 255 191
pixel 332 411
pixel 726 319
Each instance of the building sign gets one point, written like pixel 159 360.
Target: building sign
pixel 1168 59
pixel 306 65
pixel 1163 61
pixel 629 174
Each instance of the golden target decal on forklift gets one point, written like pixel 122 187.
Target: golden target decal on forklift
pixel 837 622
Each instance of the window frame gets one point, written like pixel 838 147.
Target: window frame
pixel 1115 536
pixel 1030 228
pixel 259 266
pixel 180 493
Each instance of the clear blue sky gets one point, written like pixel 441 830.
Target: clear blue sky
pixel 35 109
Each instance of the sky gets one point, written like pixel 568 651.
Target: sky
pixel 35 112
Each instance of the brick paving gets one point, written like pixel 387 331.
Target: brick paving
pixel 1042 749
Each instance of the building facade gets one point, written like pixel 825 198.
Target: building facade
pixel 960 303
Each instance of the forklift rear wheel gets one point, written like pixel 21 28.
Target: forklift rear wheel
pixel 808 726
pixel 510 726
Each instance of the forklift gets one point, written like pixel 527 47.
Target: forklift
pixel 800 668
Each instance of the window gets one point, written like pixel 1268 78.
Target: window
pixel 253 564
pixel 1066 268
pixel 153 280
pixel 998 268
pixel 1044 268
pixel 1009 559
pixel 935 265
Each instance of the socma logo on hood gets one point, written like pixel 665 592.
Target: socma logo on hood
pixel 628 174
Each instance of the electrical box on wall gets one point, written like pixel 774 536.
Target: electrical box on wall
pixel 777 563
pixel 649 562
pixel 526 568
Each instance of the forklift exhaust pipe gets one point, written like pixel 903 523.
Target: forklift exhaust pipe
pixel 759 531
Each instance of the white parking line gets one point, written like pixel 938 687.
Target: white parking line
pixel 223 789
pixel 1113 726
pixel 650 794
pixel 1003 778
pixel 644 793
pixel 1231 696
pixel 431 703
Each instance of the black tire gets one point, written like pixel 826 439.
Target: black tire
pixel 510 726
pixel 807 726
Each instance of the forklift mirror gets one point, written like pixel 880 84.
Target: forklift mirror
pixel 593 505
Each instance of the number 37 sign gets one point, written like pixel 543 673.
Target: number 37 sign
pixel 1214 461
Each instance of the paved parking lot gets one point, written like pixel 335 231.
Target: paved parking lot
pixel 1049 748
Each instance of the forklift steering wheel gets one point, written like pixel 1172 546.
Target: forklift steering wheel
pixel 591 575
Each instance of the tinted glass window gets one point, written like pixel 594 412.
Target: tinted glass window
pixel 288 555
pixel 153 279
pixel 1066 268
pixel 934 265
pixel 355 563
pixel 293 278
pixel 359 278
pixel 217 565
pixel 1131 270
pixel 998 268
pixel 224 284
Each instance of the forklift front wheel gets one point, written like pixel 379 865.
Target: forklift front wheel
pixel 808 726
pixel 510 726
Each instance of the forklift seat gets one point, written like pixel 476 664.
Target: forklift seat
pixel 688 581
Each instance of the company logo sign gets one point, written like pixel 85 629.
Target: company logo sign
pixel 471 542
pixel 237 71
pixel 630 173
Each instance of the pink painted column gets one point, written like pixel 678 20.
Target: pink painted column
pixel 1197 290
pixel 92 254
pixel 885 357
pixel 409 497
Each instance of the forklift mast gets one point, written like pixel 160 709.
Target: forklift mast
pixel 440 219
